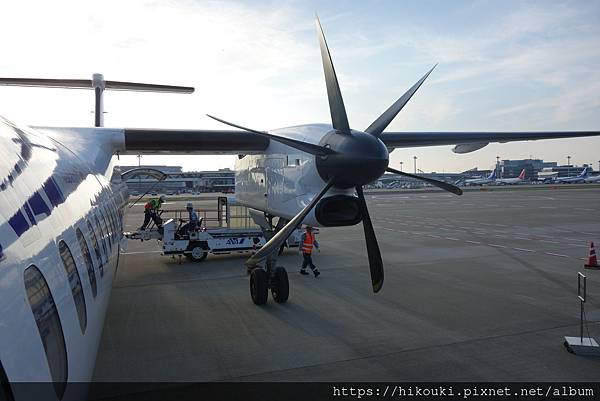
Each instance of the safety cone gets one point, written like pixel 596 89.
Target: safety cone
pixel 592 261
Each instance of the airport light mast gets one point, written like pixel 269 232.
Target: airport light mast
pixel 415 159
pixel 568 166
pixel 401 163
pixel 498 166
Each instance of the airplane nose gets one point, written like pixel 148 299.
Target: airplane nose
pixel 360 158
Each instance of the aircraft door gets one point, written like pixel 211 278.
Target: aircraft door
pixel 274 169
pixel 258 178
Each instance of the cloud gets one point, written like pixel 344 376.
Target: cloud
pixel 516 66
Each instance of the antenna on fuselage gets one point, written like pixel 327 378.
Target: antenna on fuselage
pixel 98 84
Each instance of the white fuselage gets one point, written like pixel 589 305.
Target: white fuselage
pixel 515 180
pixel 593 178
pixel 55 193
pixel 283 180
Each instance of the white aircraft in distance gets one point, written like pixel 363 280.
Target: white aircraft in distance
pixel 62 200
pixel 573 180
pixel 592 178
pixel 510 181
pixel 483 180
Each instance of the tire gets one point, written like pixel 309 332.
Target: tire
pixel 281 286
pixel 198 254
pixel 259 288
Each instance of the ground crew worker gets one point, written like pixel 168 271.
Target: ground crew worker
pixel 307 243
pixel 193 220
pixel 151 211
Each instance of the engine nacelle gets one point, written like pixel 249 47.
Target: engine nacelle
pixel 338 210
pixel 469 147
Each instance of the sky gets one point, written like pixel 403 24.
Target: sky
pixel 503 66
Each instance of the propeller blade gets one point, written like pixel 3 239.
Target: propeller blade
pixel 375 262
pixel 279 238
pixel 303 146
pixel 440 184
pixel 339 118
pixel 377 127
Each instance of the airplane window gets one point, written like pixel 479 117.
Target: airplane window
pixel 48 323
pixel 74 282
pixel 6 393
pixel 115 211
pixel 102 237
pixel 87 258
pixel 113 224
pixel 106 228
pixel 96 248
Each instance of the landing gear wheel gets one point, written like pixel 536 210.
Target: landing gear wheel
pixel 259 288
pixel 281 286
pixel 198 254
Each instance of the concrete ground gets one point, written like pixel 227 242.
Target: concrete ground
pixel 477 288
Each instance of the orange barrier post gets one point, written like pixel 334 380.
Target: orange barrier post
pixel 592 261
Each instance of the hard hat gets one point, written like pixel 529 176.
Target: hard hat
pixel 162 198
pixel 189 205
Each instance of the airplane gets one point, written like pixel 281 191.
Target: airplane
pixel 573 180
pixel 483 180
pixel 62 202
pixel 592 178
pixel 515 180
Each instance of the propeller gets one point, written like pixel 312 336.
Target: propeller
pixel 278 239
pixel 377 127
pixel 345 159
pixel 303 146
pixel 440 184
pixel 336 103
pixel 375 262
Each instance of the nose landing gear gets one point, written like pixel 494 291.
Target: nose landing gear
pixel 261 281
pixel 272 277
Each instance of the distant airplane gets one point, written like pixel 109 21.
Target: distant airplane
pixel 510 181
pixel 593 178
pixel 484 180
pixel 573 180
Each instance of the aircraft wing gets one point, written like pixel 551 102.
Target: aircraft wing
pixel 157 141
pixel 141 140
pixel 415 139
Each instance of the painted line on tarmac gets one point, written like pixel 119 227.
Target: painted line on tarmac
pixel 452 239
pixel 497 246
pixel 473 242
pixel 139 252
pixel 557 254
pixel 524 250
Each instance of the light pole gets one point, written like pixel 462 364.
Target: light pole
pixel 568 166
pixel 401 163
pixel 598 165
pixel 415 158
pixel 139 160
pixel 498 166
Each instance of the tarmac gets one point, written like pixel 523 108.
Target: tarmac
pixel 481 287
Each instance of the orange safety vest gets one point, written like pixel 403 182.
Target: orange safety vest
pixel 307 245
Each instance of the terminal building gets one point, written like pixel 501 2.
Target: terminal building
pixel 223 180
pixel 538 170
pixel 178 181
